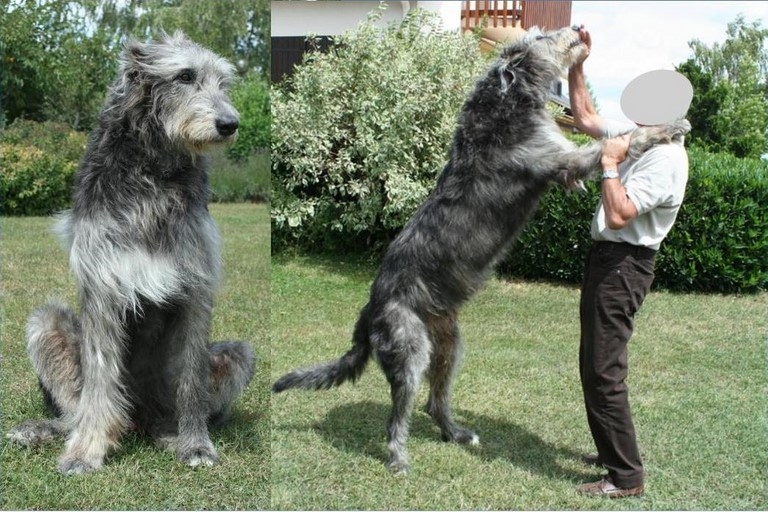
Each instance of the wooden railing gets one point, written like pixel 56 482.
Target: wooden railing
pixel 548 15
pixel 500 13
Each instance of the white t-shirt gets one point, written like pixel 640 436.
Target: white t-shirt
pixel 655 184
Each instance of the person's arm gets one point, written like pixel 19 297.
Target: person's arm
pixel 584 114
pixel 619 208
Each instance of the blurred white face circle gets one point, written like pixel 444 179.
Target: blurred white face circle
pixel 657 97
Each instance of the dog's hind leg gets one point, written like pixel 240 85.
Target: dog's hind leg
pixel 402 348
pixel 53 344
pixel 231 369
pixel 447 349
pixel 232 366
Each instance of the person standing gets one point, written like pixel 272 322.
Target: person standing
pixel 639 204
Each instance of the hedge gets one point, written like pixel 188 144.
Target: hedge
pixel 39 161
pixel 251 98
pixel 719 242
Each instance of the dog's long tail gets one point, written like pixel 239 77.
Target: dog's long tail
pixel 333 373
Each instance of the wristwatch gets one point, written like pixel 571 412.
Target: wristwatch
pixel 610 174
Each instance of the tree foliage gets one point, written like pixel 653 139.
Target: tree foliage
pixel 729 112
pixel 235 29
pixel 58 57
pixel 55 66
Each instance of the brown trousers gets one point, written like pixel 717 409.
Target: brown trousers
pixel 617 278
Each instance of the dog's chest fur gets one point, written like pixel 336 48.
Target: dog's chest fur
pixel 146 222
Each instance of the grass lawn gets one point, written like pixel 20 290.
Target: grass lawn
pixel 235 182
pixel 698 391
pixel 139 476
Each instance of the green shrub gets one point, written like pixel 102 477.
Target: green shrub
pixel 39 161
pixel 361 132
pixel 251 98
pixel 554 243
pixel 239 181
pixel 719 242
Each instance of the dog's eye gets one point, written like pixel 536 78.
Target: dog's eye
pixel 187 76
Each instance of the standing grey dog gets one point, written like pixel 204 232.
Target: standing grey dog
pixel 506 152
pixel 145 255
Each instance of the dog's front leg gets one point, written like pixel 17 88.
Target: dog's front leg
pixel 569 168
pixel 102 412
pixel 193 445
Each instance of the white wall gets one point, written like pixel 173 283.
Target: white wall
pixel 450 11
pixel 299 18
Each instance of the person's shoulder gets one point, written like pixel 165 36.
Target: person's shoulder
pixel 665 156
pixel 673 150
pixel 614 128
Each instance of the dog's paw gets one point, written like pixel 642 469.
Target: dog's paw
pixel 573 179
pixel 167 442
pixel 204 455
pixel 679 127
pixel 77 466
pixel 35 433
pixel 398 468
pixel 462 436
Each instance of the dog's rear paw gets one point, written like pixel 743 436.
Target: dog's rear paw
pixel 34 433
pixel 398 467
pixel 462 436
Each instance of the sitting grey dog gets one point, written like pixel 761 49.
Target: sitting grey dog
pixel 145 255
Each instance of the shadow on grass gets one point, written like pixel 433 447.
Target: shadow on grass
pixel 359 269
pixel 238 435
pixel 360 427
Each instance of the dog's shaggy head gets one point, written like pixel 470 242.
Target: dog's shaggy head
pixel 176 88
pixel 538 58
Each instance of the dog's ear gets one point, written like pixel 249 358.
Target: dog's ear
pixel 507 72
pixel 506 76
pixel 135 55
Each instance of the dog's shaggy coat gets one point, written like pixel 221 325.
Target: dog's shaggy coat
pixel 144 253
pixel 506 152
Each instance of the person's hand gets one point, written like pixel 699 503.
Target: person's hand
pixel 614 151
pixel 586 38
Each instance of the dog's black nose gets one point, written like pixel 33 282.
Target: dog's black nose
pixel 226 126
pixel 576 28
